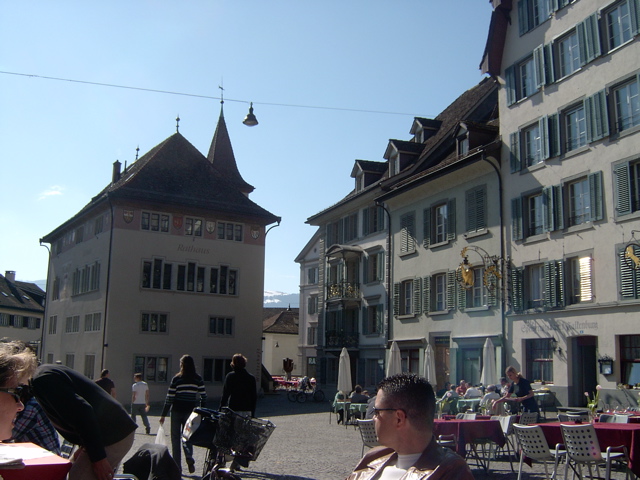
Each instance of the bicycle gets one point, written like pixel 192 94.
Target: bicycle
pixel 301 396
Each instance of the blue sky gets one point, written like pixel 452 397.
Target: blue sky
pixel 349 58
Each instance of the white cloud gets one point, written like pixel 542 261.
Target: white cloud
pixel 51 191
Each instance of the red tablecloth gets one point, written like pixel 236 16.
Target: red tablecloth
pixel 467 431
pixel 609 435
pixel 48 467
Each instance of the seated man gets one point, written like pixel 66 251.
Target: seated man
pixel 357 396
pixel 403 418
pixel 449 401
pixel 472 392
pixel 487 401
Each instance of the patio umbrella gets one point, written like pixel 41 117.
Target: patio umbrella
pixel 430 365
pixel 394 362
pixel 488 375
pixel 344 373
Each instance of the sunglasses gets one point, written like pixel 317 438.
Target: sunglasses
pixel 376 411
pixel 21 393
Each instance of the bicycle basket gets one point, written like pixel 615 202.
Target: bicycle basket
pixel 200 428
pixel 240 436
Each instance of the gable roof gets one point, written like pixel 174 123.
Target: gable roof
pixel 174 172
pixel 13 297
pixel 284 322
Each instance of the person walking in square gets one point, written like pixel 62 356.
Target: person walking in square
pixel 140 401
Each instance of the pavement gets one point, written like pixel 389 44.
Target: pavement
pixel 308 444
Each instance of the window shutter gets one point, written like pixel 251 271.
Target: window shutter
pixel 623 189
pixel 451 290
pixel 365 323
pixel 476 208
pixel 554 135
pixel 451 219
pixel 634 10
pixel 588 39
pixel 595 192
pixel 492 293
pixel 417 297
pixel 366 213
pixel 426 227
pixel 365 270
pixel 553 208
pixel 510 84
pixel 379 317
pixel 516 218
pixel 517 289
pixel 523 16
pixel 558 207
pixel 396 299
pixel 553 280
pixel 543 127
pixel 550 74
pixel 629 284
pixel 462 292
pixel 597 118
pixel 426 295
pixel 309 305
pixel 538 62
pixel 514 143
pixel 586 293
pixel 380 269
pixel 548 224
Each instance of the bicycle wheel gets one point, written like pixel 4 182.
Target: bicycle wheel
pixel 302 397
pixel 209 461
pixel 318 396
pixel 292 395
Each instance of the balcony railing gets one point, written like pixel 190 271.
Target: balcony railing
pixel 339 339
pixel 343 290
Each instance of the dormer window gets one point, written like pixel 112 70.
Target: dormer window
pixel 418 137
pixel 463 145
pixel 394 164
pixel 360 182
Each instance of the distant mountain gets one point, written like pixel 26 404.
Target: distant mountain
pixel 271 299
pixel 280 299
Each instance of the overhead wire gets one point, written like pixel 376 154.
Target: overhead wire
pixel 208 97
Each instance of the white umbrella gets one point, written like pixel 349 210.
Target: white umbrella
pixel 430 365
pixel 344 373
pixel 488 376
pixel 394 363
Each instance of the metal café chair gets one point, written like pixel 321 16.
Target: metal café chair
pixel 606 418
pixel 527 418
pixel 578 417
pixel 534 446
pixel 507 422
pixel 583 448
pixel 368 434
pixel 448 441
pixel 618 418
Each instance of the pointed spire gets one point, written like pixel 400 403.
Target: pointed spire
pixel 221 156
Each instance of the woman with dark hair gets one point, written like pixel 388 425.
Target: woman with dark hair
pixel 239 390
pixel 182 398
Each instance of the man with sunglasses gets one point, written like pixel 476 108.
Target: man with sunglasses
pixel 403 417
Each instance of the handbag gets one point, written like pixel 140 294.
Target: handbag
pixel 160 437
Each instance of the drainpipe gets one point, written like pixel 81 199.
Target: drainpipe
pixel 106 292
pixel 46 304
pixel 389 260
pixel 502 256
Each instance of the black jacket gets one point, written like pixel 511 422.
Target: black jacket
pixel 239 392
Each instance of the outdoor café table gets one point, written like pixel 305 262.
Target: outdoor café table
pixel 38 463
pixel 609 435
pixel 344 405
pixel 468 431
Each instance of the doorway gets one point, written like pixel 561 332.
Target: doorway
pixel 585 370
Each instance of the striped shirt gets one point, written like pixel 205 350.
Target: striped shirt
pixel 183 394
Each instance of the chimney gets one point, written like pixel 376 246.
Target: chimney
pixel 10 275
pixel 116 172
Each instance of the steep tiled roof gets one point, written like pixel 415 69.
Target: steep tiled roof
pixel 175 172
pixel 14 297
pixel 221 156
pixel 284 322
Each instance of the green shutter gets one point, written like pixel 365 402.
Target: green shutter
pixel 379 318
pixel 558 207
pixel 492 293
pixel 550 74
pixel 510 84
pixel 523 16
pixel 553 279
pixel 462 292
pixel 629 284
pixel 365 221
pixel 623 189
pixel 516 218
pixel 514 152
pixel 426 295
pixel 365 324
pixel 553 208
pixel 417 296
pixel 365 270
pixel 538 63
pixel 554 135
pixel 380 262
pixel 589 39
pixel 517 289
pixel 396 299
pixel 451 289
pixel 426 227
pixel 548 224
pixel 451 219
pixel 543 126
pixel 595 192
pixel 634 10
pixel 597 118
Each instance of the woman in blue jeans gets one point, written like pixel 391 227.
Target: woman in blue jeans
pixel 182 398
